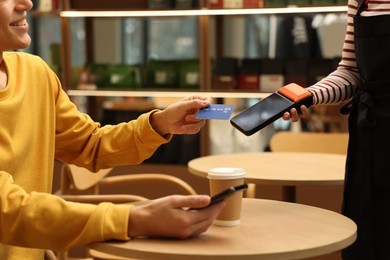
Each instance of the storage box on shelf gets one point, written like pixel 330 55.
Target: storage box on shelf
pixel 249 74
pixel 167 4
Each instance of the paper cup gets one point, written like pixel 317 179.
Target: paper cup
pixel 221 179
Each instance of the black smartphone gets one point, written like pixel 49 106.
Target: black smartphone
pixel 219 197
pixel 226 193
pixel 261 114
pixel 267 111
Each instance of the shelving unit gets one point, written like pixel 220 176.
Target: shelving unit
pixel 120 8
pixel 105 10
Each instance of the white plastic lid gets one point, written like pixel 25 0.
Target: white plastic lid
pixel 226 173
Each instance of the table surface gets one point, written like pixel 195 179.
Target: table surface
pixel 283 168
pixel 269 230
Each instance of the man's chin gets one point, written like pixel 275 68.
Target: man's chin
pixel 24 44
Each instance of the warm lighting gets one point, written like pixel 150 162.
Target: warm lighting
pixel 200 12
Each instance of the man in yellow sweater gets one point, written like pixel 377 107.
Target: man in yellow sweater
pixel 39 123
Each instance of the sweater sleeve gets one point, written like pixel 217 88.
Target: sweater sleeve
pixel 81 141
pixel 61 224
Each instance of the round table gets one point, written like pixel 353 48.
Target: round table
pixel 278 168
pixel 269 230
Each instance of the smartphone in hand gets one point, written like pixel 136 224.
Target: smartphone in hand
pixel 226 193
pixel 219 197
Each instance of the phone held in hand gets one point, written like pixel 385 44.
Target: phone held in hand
pixel 219 197
pixel 226 193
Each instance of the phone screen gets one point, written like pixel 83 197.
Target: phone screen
pixel 261 114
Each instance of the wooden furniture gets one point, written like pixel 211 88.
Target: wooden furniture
pixel 285 141
pixel 50 255
pixel 289 169
pixel 75 179
pixel 76 182
pixel 269 230
pixel 324 196
pixel 327 118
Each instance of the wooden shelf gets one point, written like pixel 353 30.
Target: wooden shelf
pixel 202 12
pixel 166 93
pixel 36 13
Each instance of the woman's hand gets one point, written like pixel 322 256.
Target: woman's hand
pixel 169 217
pixel 294 116
pixel 179 118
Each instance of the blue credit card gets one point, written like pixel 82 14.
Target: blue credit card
pixel 216 111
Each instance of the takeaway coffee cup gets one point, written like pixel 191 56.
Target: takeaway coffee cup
pixel 221 179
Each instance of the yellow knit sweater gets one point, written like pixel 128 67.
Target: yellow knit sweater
pixel 37 124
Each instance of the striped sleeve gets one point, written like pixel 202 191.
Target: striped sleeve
pixel 342 83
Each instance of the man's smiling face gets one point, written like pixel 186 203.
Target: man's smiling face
pixel 13 24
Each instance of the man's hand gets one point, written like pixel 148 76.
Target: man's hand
pixel 170 217
pixel 179 118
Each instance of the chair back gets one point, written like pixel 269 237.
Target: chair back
pixel 75 178
pixel 323 196
pixel 286 141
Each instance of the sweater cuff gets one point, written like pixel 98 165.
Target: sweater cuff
pixel 116 222
pixel 146 116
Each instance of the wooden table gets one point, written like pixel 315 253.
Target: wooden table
pixel 269 230
pixel 288 169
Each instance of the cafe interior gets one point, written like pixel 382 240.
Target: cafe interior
pixel 118 59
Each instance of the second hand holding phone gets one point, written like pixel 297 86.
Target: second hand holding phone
pixel 219 197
